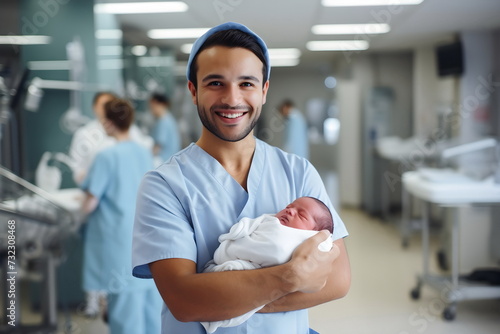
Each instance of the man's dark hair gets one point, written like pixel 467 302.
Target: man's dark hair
pixel 232 38
pixel 324 221
pixel 160 98
pixel 119 112
pixel 103 93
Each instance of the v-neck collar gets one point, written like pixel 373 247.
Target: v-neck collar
pixel 230 185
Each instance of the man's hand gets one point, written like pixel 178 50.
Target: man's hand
pixel 310 267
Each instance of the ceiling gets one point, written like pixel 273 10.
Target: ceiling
pixel 286 23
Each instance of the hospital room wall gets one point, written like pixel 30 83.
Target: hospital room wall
pixel 301 87
pixel 389 73
pixel 478 110
pixel 432 94
pixel 392 69
pixel 495 211
pixel 63 22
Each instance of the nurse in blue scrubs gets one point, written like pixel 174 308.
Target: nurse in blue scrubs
pixel 185 204
pixel 111 185
pixel 296 139
pixel 165 132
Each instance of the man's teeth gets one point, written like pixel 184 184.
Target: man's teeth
pixel 232 115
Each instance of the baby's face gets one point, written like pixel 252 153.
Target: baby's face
pixel 299 214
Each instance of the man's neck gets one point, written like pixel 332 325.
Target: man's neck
pixel 235 157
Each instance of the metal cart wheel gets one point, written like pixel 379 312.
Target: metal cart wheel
pixel 450 312
pixel 415 293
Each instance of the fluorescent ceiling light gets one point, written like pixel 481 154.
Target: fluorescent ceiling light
pixel 347 29
pixel 141 7
pixel 25 40
pixel 284 62
pixel 110 64
pixel 284 53
pixel 139 50
pixel 186 48
pixel 109 50
pixel 337 45
pixel 160 61
pixel 49 65
pixel 351 3
pixel 108 34
pixel 176 33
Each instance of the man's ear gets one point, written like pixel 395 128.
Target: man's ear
pixel 192 89
pixel 264 92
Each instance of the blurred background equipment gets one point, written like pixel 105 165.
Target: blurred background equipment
pixel 43 221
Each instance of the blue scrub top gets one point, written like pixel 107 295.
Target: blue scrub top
pixel 296 138
pixel 184 205
pixel 113 179
pixel 166 135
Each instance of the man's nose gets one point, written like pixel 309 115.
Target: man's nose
pixel 232 96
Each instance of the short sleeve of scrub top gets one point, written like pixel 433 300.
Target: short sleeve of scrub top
pixel 163 222
pixel 96 181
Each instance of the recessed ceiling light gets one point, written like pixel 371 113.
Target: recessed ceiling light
pixel 110 64
pixel 350 3
pixel 284 62
pixel 139 50
pixel 25 40
pixel 186 48
pixel 337 45
pixel 108 34
pixel 141 7
pixel 284 53
pixel 109 50
pixel 176 33
pixel 347 29
pixel 49 65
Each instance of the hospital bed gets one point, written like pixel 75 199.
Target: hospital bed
pixel 430 186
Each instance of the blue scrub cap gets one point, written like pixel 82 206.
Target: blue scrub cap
pixel 227 26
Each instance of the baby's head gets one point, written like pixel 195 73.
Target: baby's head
pixel 307 213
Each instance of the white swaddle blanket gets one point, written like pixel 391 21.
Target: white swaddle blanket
pixel 252 244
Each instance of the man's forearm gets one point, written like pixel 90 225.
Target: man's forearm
pixel 221 295
pixel 336 287
pixel 192 296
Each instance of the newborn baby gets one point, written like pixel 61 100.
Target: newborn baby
pixel 268 240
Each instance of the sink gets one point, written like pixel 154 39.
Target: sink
pixel 446 186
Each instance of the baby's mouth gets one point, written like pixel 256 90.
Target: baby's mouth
pixel 283 220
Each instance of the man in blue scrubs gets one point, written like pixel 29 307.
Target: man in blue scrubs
pixel 184 205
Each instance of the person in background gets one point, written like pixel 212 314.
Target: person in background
pixel 165 134
pixel 87 141
pixel 295 137
pixel 134 305
pixel 91 138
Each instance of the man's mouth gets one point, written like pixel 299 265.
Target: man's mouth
pixel 231 115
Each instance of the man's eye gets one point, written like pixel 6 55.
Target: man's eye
pixel 215 83
pixel 247 84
